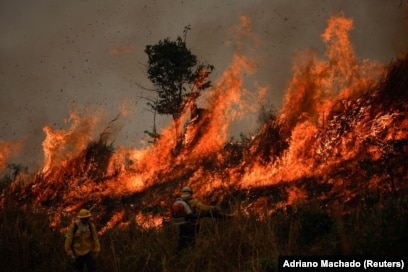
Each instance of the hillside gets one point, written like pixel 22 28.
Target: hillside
pixel 357 156
pixel 326 174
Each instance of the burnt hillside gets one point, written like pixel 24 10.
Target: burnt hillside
pixel 357 156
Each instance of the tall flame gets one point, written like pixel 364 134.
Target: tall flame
pixel 60 145
pixel 321 124
pixel 317 84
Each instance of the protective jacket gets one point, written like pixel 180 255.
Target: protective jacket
pixel 196 206
pixel 81 240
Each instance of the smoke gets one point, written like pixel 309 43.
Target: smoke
pixel 60 56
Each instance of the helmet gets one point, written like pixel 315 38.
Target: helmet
pixel 187 190
pixel 84 213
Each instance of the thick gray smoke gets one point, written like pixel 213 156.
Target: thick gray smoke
pixel 56 56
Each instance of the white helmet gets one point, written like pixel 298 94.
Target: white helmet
pixel 186 191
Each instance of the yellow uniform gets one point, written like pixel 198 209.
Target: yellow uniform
pixel 195 204
pixel 191 226
pixel 84 240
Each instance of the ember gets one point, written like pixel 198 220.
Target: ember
pixel 342 129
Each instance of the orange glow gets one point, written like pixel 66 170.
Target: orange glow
pixel 316 85
pixel 295 194
pixel 149 221
pixel 115 220
pixel 60 145
pixel 7 150
pixel 325 120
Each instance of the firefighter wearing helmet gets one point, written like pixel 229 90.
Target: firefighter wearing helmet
pixel 189 224
pixel 82 242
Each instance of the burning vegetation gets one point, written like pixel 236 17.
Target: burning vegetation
pixel 340 141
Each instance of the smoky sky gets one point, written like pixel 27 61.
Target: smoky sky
pixel 56 55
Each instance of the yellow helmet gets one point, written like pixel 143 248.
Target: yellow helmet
pixel 84 213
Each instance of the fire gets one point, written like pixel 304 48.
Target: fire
pixel 327 119
pixel 318 84
pixel 225 105
pixel 115 219
pixel 60 145
pixel 149 221
pixel 315 88
pixel 7 149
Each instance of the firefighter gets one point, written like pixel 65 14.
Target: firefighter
pixel 190 226
pixel 82 242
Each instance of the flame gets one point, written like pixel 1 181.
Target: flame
pixel 59 145
pixel 115 219
pixel 7 151
pixel 321 124
pixel 312 93
pixel 225 104
pixel 317 85
pixel 149 221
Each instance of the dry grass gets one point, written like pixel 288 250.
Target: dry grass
pixel 241 243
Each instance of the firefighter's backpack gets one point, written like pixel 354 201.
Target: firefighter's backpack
pixel 180 210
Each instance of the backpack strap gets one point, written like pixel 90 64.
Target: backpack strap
pixel 178 220
pixel 185 204
pixel 90 228
pixel 76 228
